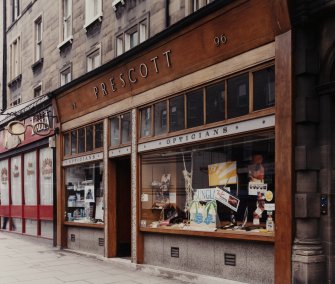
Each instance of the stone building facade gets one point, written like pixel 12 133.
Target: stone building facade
pixel 52 43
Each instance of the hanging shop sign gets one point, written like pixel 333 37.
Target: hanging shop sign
pixel 83 159
pixel 230 129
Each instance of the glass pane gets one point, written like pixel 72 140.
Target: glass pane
pixel 195 108
pixel 115 131
pixel 126 128
pixel 238 96
pixel 16 177
pixel 146 122
pixel 67 148
pixel 89 138
pixel 264 88
pixel 74 142
pixel 46 176
pixel 81 140
pixel 215 105
pixel 4 189
pixel 99 135
pixel 84 193
pixel 30 182
pixel 177 118
pixel 160 118
pixel 212 185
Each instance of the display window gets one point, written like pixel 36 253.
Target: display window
pixel 46 176
pixel 84 193
pixel 227 185
pixel 230 98
pixel 16 180
pixel 4 188
pixel 30 182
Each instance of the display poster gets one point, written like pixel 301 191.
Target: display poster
pixel 4 183
pixel 30 183
pixel 89 193
pixel 255 187
pixel 16 180
pixel 46 176
pixel 227 199
pixel 222 173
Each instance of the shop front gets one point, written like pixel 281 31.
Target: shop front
pixel 27 175
pixel 184 150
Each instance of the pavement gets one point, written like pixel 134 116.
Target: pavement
pixel 32 260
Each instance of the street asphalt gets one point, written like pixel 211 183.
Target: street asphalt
pixel 30 260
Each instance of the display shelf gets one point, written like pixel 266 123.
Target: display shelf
pixel 224 234
pixel 87 225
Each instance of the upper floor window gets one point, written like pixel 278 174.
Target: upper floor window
pixel 15 6
pixel 93 59
pixel 38 90
pixel 195 5
pixel 38 38
pixel 65 75
pixel 66 19
pixel 15 58
pixel 15 99
pixel 132 37
pixel 93 10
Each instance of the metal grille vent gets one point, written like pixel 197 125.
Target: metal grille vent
pixel 175 252
pixel 230 259
pixel 73 237
pixel 101 242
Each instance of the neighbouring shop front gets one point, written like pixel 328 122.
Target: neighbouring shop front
pixel 176 155
pixel 27 171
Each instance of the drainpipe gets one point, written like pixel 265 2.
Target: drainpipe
pixel 167 13
pixel 4 58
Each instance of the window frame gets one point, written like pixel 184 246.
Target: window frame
pixel 91 56
pixel 64 73
pixel 251 112
pixel 38 38
pixel 38 88
pixel 76 130
pixel 97 14
pixel 119 117
pixel 15 58
pixel 16 12
pixel 122 38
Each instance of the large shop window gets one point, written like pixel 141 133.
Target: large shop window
pixel 230 98
pixel 84 193
pixel 16 178
pixel 219 187
pixel 84 139
pixel 4 188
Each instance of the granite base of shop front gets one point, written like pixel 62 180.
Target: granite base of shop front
pixel 254 261
pixel 86 240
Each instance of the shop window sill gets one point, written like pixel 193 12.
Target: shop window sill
pixel 16 80
pixel 65 43
pixel 87 225
pixel 224 234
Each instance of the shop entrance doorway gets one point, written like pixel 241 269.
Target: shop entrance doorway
pixel 123 207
